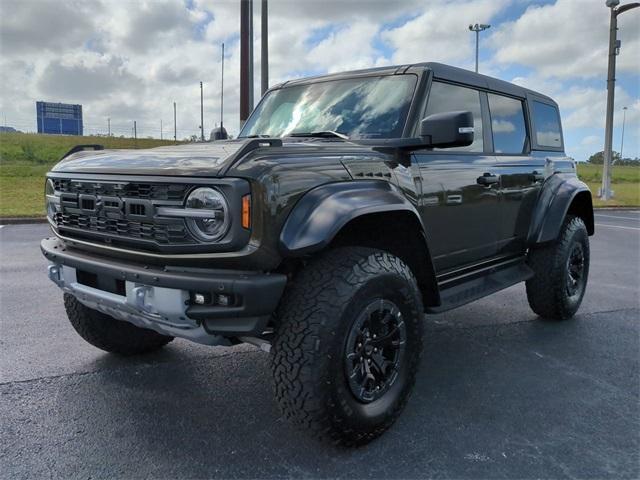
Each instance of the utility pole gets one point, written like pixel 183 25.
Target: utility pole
pixel 246 59
pixel 264 49
pixel 614 49
pixel 478 28
pixel 175 130
pixel 135 130
pixel 222 93
pixel 201 114
pixel 160 129
pixel 109 127
pixel 624 119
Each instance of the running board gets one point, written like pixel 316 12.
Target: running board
pixel 454 294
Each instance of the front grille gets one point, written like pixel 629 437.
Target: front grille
pixel 164 234
pixel 148 191
pixel 121 213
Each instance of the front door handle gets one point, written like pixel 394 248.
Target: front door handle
pixel 487 179
pixel 537 176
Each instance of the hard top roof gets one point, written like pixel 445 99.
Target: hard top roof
pixel 440 71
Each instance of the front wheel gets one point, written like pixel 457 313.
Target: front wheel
pixel 109 334
pixel 348 344
pixel 561 270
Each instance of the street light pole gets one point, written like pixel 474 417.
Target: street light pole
pixel 614 48
pixel 624 119
pixel 264 50
pixel 222 93
pixel 246 59
pixel 201 114
pixel 478 28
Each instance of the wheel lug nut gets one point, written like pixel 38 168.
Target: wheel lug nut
pixel 374 335
pixel 359 345
pixel 375 350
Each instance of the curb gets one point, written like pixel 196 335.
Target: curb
pixel 32 220
pixel 22 220
pixel 616 208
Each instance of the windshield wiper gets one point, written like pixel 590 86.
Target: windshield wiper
pixel 257 135
pixel 322 134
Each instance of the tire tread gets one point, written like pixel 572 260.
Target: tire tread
pixel 110 334
pixel 310 309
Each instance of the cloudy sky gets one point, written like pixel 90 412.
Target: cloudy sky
pixel 130 60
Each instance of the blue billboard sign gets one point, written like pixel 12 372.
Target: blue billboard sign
pixel 59 118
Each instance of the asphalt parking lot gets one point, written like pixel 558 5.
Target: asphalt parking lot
pixel 501 393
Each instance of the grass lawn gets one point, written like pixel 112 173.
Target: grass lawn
pixel 625 183
pixel 25 159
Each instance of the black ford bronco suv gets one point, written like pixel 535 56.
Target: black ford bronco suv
pixel 349 205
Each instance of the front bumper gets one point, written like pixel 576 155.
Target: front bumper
pixel 161 298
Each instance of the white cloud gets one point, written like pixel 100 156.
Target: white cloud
pixel 440 33
pixel 347 49
pixel 591 140
pixel 566 39
pixel 131 60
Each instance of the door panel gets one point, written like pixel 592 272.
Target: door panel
pixel 461 215
pixel 460 211
pixel 520 181
pixel 520 172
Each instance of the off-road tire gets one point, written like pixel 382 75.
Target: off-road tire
pixel 314 321
pixel 109 334
pixel 547 290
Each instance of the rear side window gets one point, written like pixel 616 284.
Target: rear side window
pixel 444 97
pixel 507 124
pixel 546 122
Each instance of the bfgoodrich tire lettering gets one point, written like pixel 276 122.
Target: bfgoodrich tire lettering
pixel 315 321
pixel 561 271
pixel 109 334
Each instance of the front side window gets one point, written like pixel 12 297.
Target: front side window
pixel 546 121
pixel 507 124
pixel 444 97
pixel 367 107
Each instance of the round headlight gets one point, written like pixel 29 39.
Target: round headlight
pixel 208 218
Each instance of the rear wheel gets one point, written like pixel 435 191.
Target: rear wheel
pixel 348 344
pixel 561 272
pixel 109 334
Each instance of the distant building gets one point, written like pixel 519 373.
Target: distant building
pixel 59 118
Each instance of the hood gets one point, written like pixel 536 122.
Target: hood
pixel 199 159
pixel 210 159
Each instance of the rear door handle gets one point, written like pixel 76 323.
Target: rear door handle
pixel 487 179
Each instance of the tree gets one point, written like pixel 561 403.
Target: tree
pixel 598 158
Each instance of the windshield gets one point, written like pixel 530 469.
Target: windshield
pixel 368 107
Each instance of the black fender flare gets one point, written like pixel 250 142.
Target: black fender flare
pixel 557 195
pixel 322 212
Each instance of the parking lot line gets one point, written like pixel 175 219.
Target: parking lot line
pixel 613 216
pixel 617 226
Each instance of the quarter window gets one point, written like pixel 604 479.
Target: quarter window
pixel 507 124
pixel 444 97
pixel 546 122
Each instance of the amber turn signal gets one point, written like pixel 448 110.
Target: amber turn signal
pixel 246 211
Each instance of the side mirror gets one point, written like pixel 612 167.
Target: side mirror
pixel 448 129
